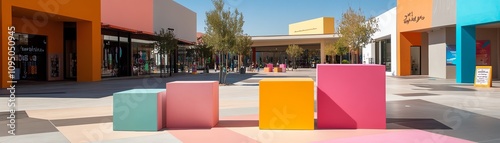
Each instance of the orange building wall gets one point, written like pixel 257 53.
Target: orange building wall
pixel 407 32
pixel 419 8
pixel 85 12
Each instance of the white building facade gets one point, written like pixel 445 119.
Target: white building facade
pixel 383 50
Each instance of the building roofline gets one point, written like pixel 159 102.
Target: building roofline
pixel 295 37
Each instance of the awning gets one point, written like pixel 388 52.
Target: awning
pixel 142 34
pixel 114 27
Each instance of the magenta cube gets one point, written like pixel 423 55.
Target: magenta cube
pixel 192 104
pixel 351 96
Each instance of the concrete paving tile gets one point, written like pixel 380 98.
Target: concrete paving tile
pixel 98 132
pixel 25 125
pixel 238 111
pixel 229 104
pixel 70 113
pixel 81 121
pixel 214 135
pixel 164 137
pixel 49 137
pixel 416 136
pixel 464 124
pixel 288 136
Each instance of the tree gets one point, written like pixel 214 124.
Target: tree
pixel 165 43
pixel 205 51
pixel 331 50
pixel 243 47
pixel 293 52
pixel 223 26
pixel 356 31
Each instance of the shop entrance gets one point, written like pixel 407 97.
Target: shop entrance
pixel 31 60
pixel 416 60
pixel 70 50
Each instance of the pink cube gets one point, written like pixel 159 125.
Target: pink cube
pixel 351 97
pixel 271 67
pixel 283 67
pixel 192 104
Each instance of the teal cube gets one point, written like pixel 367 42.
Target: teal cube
pixel 139 110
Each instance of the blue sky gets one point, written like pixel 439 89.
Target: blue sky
pixel 271 17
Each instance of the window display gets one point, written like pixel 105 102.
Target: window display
pixel 143 59
pixel 113 59
pixel 31 56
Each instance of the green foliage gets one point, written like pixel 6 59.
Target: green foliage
pixel 222 27
pixel 294 51
pixel 356 30
pixel 165 41
pixel 204 50
pixel 224 33
pixel 345 61
pixel 243 45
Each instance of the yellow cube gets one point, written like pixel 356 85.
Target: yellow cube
pixel 286 103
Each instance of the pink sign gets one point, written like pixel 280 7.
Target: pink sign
pixel 483 56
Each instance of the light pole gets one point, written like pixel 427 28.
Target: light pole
pixel 170 31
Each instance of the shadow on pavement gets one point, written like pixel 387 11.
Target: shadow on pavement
pixel 442 87
pixel 421 124
pixel 237 123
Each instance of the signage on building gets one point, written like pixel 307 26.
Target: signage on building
pixel 483 49
pixel 413 18
pixel 483 76
pixel 304 30
pixel 451 55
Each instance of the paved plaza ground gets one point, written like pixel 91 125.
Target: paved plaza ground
pixel 419 109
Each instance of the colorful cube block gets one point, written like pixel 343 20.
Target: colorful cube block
pixel 351 97
pixel 192 104
pixel 286 103
pixel 138 110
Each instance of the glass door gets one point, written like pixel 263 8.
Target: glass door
pixel 415 60
pixel 70 56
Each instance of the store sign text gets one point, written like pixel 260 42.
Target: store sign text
pixel 412 18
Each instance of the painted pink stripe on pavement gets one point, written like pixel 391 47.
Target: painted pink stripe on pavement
pixel 215 135
pixel 412 136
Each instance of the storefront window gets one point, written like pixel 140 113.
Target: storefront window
pixel 386 54
pixel 143 59
pixel 112 58
pixel 309 58
pixel 31 60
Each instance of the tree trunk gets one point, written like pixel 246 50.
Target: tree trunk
pixel 294 63
pixel 220 69
pixel 341 56
pixel 240 62
pixel 171 61
pixel 226 71
pixel 162 65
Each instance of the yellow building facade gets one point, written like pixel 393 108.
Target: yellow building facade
pixel 322 25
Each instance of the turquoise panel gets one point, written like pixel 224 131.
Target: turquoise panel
pixel 136 110
pixel 474 12
pixel 471 13
pixel 466 54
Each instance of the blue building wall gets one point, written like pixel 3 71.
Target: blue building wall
pixel 471 13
